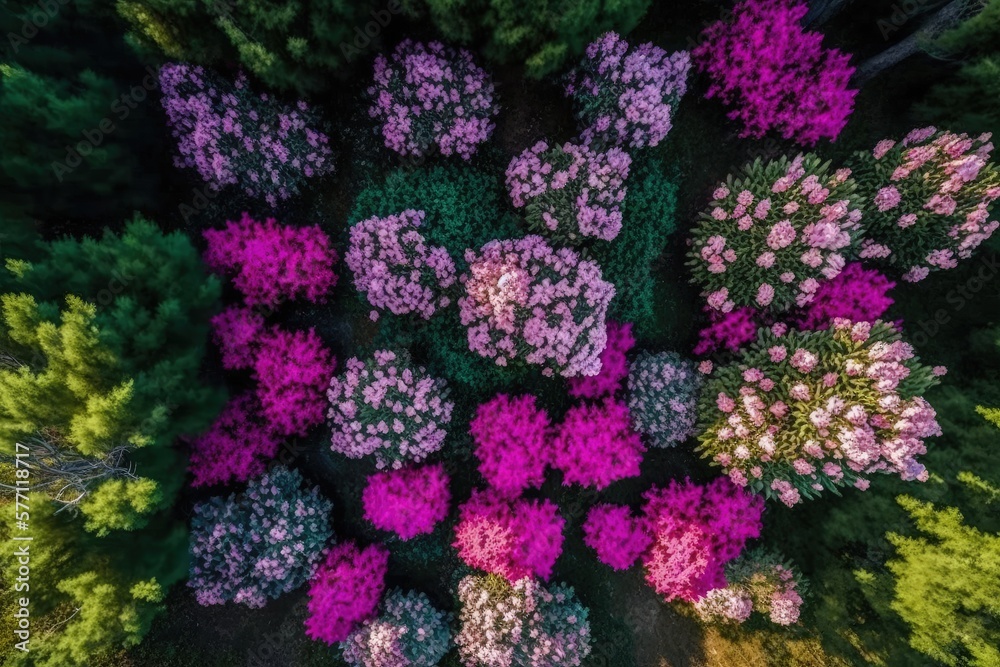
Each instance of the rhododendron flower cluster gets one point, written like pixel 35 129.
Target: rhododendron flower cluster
pixel 615 535
pixel 595 445
pixel 236 446
pixel 663 394
pixel 758 581
pixel 800 412
pixel 857 294
pixel 512 538
pixel 345 590
pixel 272 262
pixel 524 300
pixel 232 136
pixel 729 331
pixel 429 94
pixel 696 531
pixel 389 408
pixel 571 192
pixel 927 199
pixel 625 96
pixel 774 233
pixel 236 331
pixel 409 632
pixel 511 436
pixel 259 544
pixel 396 269
pixel 614 365
pixel 522 624
pixel 407 502
pixel 774 75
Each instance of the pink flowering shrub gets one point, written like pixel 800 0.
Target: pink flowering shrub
pixel 396 269
pixel 511 440
pixel 615 535
pixel 570 193
pixel 429 94
pixel 857 294
pixel 774 233
pixel 927 199
pixel 233 137
pixel 292 368
pixel 626 97
pixel 271 262
pixel 595 445
pixel 407 502
pixel 802 412
pixel 237 445
pixel 524 300
pixel 757 581
pixel 237 331
pixel 696 531
pixel 774 75
pixel 727 331
pixel 663 392
pixel 614 365
pixel 512 538
pixel 345 591
pixel 388 408
pixel 409 632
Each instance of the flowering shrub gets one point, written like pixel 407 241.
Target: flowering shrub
pixel 595 445
pixel 663 397
pixel 728 331
pixel 232 136
pixel 396 269
pixel 614 365
pixel 407 502
pixel 237 331
pixel 521 624
pixel 511 437
pixel 774 75
pixel 857 294
pixel 627 96
pixel 292 368
pixel 800 412
pixel 927 199
pixel 409 632
pixel 388 408
pixel 773 233
pixel 571 192
pixel 429 94
pixel 525 300
pixel 512 538
pixel 696 531
pixel 259 544
pixel 345 590
pixel 235 447
pixel 617 537
pixel 758 581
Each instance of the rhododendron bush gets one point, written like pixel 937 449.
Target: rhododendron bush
pixel 857 294
pixel 617 537
pixel 236 446
pixel 345 590
pixel 511 436
pixel 614 365
pixel 802 412
pixel 663 394
pixel 595 445
pixel 408 632
pixel 758 581
pixel 727 331
pixel 407 502
pixel 292 368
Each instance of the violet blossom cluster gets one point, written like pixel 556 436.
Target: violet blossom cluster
pixel 857 294
pixel 524 300
pixel 727 331
pixel 408 632
pixel 617 537
pixel 800 412
pixel 595 445
pixel 627 96
pixel 511 442
pixel 758 581
pixel 429 94
pixel 345 591
pixel 408 502
pixel 233 137
pixel 663 392
pixel 236 447
pixel 614 365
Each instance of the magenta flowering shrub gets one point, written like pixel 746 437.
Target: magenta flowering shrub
pixel 256 545
pixel 758 581
pixel 236 447
pixel 615 535
pixel 663 392
pixel 396 269
pixel 857 294
pixel 237 331
pixel 292 368
pixel 614 365
pixel 774 75
pixel 345 591
pixel 512 538
pixel 233 137
pixel 524 300
pixel 407 502
pixel 570 193
pixel 727 331
pixel 271 262
pixel 409 632
pixel 389 408
pixel 595 445
pixel 627 96
pixel 927 199
pixel 696 531
pixel 429 94
pixel 773 233
pixel 511 441
pixel 799 412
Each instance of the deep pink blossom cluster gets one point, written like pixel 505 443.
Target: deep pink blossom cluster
pixel 511 538
pixel 615 535
pixel 524 300
pixel 272 262
pixel 345 590
pixel 857 294
pixel 430 94
pixel 236 331
pixel 627 96
pixel 236 446
pixel 396 269
pixel 774 75
pixel 407 502
pixel 614 365
pixel 511 436
pixel 595 444
pixel 728 331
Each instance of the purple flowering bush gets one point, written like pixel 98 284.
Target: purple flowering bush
pixel 614 365
pixel 857 294
pixel 408 502
pixel 345 590
pixel 595 445
pixel 663 392
pixel 408 632
pixel 511 442
pixel 236 447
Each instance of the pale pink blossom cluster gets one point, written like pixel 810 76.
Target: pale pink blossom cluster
pixel 408 502
pixel 345 590
pixel 511 441
pixel 614 365
pixel 596 446
pixel 757 581
pixel 617 537
pixel 409 632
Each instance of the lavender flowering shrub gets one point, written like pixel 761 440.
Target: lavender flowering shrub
pixel 663 394
pixel 409 632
